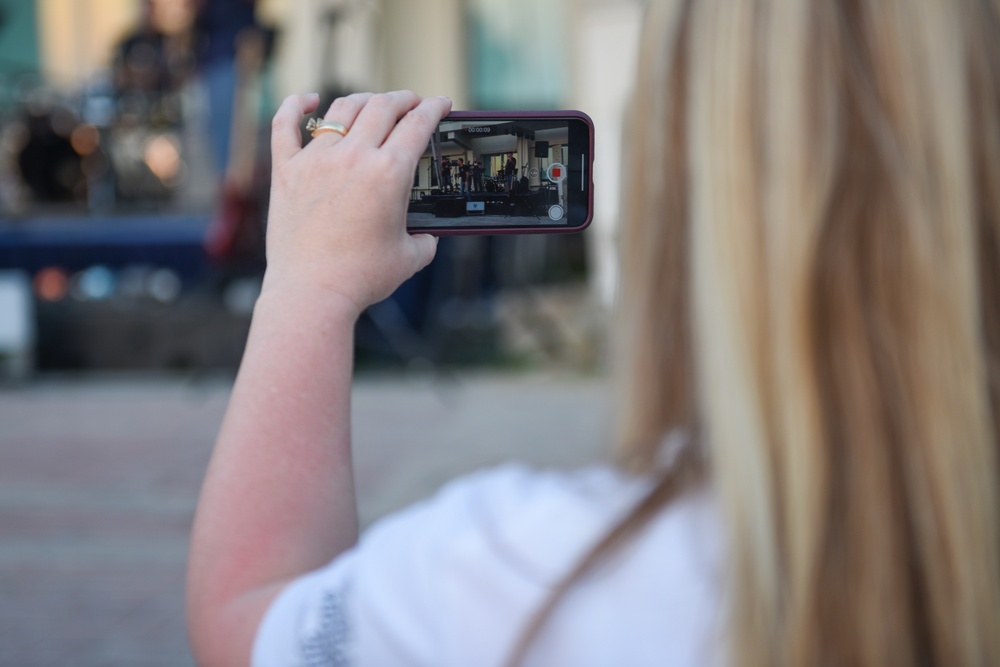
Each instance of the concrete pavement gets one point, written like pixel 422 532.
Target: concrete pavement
pixel 99 477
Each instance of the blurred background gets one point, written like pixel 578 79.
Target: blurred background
pixel 131 225
pixel 133 184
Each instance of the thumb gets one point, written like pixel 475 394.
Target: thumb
pixel 423 247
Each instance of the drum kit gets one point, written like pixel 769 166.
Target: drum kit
pixel 495 184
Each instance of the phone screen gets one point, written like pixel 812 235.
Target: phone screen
pixel 505 172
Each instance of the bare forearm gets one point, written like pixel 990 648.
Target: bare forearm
pixel 278 498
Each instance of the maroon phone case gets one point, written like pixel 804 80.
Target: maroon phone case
pixel 542 229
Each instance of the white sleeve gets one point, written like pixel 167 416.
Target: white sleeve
pixel 450 581
pixel 307 624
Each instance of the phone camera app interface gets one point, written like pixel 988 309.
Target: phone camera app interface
pixel 493 173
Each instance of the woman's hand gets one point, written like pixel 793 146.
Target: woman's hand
pixel 337 219
pixel 278 499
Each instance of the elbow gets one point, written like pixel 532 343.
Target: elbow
pixel 211 641
pixel 221 630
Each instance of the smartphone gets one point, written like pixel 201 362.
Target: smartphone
pixel 505 172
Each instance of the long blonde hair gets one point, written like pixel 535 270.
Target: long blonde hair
pixel 811 289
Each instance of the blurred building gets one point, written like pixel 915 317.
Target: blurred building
pixel 484 54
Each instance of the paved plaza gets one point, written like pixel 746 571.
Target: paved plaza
pixel 99 477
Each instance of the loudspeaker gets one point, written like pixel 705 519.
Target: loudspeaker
pixel 449 208
pixel 541 149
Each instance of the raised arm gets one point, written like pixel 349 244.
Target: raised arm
pixel 278 499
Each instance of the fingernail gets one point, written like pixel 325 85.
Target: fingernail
pixel 444 97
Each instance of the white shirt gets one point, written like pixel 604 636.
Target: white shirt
pixel 454 580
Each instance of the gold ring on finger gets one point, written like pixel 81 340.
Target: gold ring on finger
pixel 317 127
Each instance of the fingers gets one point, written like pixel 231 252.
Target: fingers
pixel 286 138
pixel 344 110
pixel 372 118
pixel 424 247
pixel 380 115
pixel 412 133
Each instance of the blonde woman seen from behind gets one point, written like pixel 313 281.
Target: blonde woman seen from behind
pixel 807 368
pixel 812 287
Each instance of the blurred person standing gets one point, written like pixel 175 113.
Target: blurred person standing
pixel 510 171
pixel 221 27
pixel 152 67
pixel 446 182
pixel 477 175
pixel 464 175
pixel 233 49
pixel 156 58
pixel 807 471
